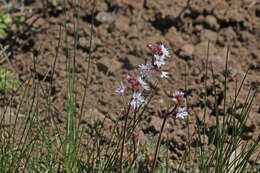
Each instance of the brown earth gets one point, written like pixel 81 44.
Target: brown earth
pixel 122 30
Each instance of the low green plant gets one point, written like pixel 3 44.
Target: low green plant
pixel 6 19
pixel 8 81
pixel 54 2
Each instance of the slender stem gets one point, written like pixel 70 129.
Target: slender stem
pixel 160 135
pixel 134 134
pixel 124 135
pixel 158 143
pixel 134 158
pixel 134 140
pixel 45 8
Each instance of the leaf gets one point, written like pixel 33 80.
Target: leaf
pixel 7 18
pixel 2 33
pixel 8 81
pixel 3 26
pixel 21 19
pixel 54 2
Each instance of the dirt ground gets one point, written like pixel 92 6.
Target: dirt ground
pixel 122 30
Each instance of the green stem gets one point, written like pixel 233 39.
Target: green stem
pixel 160 135
pixel 124 136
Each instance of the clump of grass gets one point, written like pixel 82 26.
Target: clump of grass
pixel 226 151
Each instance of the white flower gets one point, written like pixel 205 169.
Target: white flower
pixel 182 112
pixel 165 51
pixel 121 89
pixel 159 60
pixel 146 70
pixel 164 74
pixel 178 93
pixel 143 83
pixel 137 100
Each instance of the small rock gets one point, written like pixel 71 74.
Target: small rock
pixel 174 37
pixel 231 34
pixel 245 35
pixel 122 24
pixel 200 19
pixel 93 115
pixel 187 50
pixel 202 47
pixel 209 35
pixel 136 4
pixel 107 64
pixel 83 41
pixel 198 28
pixel 101 6
pixel 211 21
pixel 104 17
pixel 70 28
pixel 218 62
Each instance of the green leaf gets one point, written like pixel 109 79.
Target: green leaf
pixel 2 33
pixel 7 18
pixel 8 81
pixel 3 26
pixel 21 19
pixel 54 2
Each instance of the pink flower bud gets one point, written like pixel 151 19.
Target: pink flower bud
pixel 155 49
pixel 178 97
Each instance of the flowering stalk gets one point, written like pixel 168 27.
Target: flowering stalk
pixel 124 135
pixel 45 8
pixel 160 135
pixel 135 135
pixel 138 85
pixel 178 99
pixel 134 138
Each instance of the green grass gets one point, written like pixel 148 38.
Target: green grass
pixel 28 145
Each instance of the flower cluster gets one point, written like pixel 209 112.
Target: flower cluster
pixel 179 99
pixel 160 52
pixel 137 86
pixel 137 100
pixel 137 83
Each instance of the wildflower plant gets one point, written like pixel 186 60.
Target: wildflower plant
pixel 136 99
pixel 30 145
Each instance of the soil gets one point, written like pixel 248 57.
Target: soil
pixel 121 32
